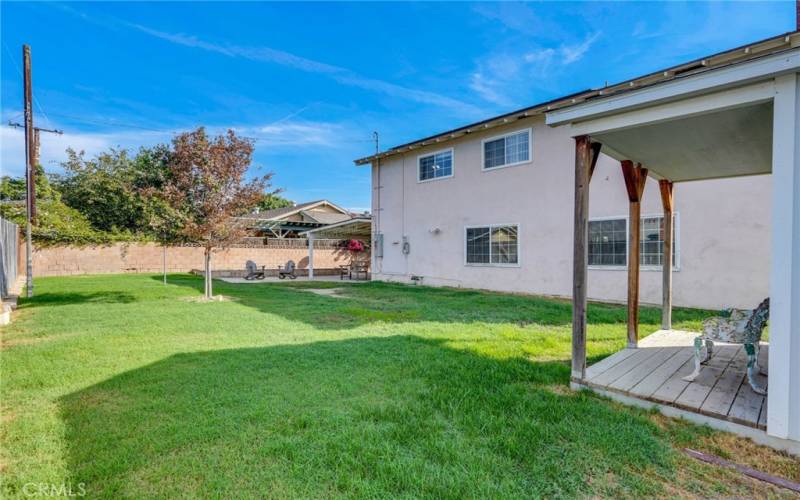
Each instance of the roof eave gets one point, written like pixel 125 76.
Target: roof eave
pixel 737 54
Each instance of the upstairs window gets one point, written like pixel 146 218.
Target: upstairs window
pixel 507 150
pixel 492 245
pixel 436 165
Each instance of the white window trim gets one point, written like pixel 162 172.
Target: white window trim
pixel 676 243
pixel 529 130
pixel 490 264
pixel 434 153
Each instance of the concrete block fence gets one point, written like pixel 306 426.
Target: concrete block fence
pixel 147 258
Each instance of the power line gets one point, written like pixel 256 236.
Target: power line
pixel 108 123
pixel 35 99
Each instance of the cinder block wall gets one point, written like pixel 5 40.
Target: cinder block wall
pixel 147 258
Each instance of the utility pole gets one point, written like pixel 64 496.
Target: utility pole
pixel 34 161
pixel 31 160
pixel 28 107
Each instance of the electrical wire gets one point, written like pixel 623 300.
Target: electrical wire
pixel 35 99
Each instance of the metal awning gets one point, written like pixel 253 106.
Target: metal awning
pixel 356 228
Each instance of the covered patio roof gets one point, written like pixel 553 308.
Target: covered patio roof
pixel 739 119
pixel 355 228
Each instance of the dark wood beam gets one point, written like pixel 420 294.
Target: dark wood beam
pixel 666 188
pixel 635 177
pixel 596 147
pixel 580 257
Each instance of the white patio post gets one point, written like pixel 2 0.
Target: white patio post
pixel 783 417
pixel 311 256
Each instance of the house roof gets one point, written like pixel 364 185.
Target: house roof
pixel 360 226
pixel 754 50
pixel 280 213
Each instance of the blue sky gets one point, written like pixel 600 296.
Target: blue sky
pixel 311 81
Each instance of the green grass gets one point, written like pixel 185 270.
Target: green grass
pixel 126 387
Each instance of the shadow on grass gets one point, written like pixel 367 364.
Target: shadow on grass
pixel 70 298
pixel 391 302
pixel 375 417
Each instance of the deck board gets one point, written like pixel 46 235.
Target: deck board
pixel 654 372
pixel 606 363
pixel 661 374
pixel 696 392
pixel 634 376
pixel 624 367
pixel 721 397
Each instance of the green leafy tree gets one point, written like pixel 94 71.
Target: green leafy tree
pixel 271 201
pixel 56 223
pixel 114 190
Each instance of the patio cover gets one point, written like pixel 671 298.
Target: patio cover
pixel 735 120
pixel 357 228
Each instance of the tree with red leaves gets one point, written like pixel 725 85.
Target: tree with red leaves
pixel 207 187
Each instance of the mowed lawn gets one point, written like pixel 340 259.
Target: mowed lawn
pixel 125 387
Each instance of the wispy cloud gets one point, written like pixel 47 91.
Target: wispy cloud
pixel 524 18
pixel 339 74
pixel 574 53
pixel 514 72
pixel 272 55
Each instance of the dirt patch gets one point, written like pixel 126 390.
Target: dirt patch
pixel 336 293
pixel 215 298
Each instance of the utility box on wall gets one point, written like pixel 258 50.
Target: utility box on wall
pixel 377 245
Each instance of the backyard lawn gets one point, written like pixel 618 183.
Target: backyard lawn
pixel 121 386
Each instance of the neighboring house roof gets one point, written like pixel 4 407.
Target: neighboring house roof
pixel 281 213
pixel 755 50
pixel 327 217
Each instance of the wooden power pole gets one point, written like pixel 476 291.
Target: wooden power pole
pixel 31 161
pixel 29 154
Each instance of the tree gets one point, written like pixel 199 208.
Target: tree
pixel 271 201
pixel 114 190
pixel 207 189
pixel 56 223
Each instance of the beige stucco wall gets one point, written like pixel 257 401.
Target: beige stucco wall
pixel 147 257
pixel 723 224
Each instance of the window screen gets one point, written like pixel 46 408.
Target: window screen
pixel 507 150
pixel 436 165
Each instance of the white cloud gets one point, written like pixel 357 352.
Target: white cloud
pixel 515 72
pixel 338 74
pixel 575 53
pixel 297 134
pixel 53 147
pixel 283 133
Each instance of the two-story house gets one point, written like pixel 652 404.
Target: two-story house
pixel 490 206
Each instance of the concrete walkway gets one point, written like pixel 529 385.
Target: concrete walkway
pixel 275 279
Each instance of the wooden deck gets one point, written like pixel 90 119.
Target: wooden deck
pixel 654 372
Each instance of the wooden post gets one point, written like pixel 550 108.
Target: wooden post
pixel 666 266
pixel 310 256
pixel 585 158
pixel 635 177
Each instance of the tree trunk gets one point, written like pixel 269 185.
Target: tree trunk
pixel 208 289
pixel 164 259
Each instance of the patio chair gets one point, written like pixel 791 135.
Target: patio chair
pixel 287 270
pixel 742 326
pixel 253 272
pixel 359 268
